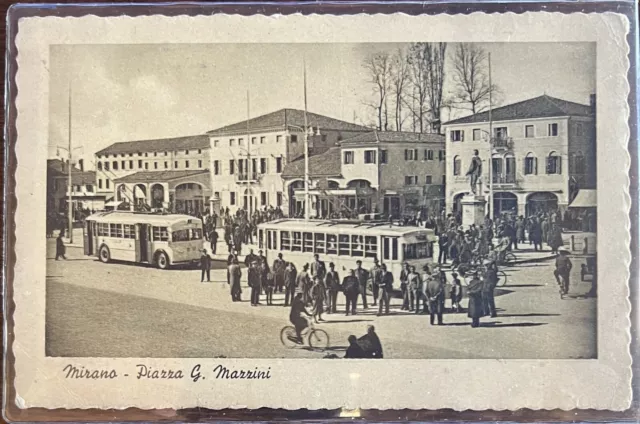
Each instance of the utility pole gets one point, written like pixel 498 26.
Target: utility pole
pixel 69 182
pixel 248 170
pixel 490 145
pixel 307 206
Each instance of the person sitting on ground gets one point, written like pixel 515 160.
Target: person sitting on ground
pixel 354 351
pixel 370 344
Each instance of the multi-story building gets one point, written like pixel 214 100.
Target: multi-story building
pixel 388 172
pixel 544 150
pixel 170 173
pixel 84 195
pixel 248 157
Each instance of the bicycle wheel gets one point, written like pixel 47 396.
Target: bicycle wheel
pixel 318 339
pixel 502 278
pixel 509 259
pixel 288 336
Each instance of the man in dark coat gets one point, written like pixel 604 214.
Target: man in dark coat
pixel 386 287
pixel 351 288
pixel 318 269
pixel 234 274
pixel 563 270
pixel 435 296
pixel 370 344
pixel 254 278
pixel 535 234
pixel 363 278
pixel 60 247
pixel 290 275
pixel 488 288
pixel 205 265
pixel 475 309
pixel 278 270
pixel 213 240
pixel 250 258
pixel 443 244
pixel 332 283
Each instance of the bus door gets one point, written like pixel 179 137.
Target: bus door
pixel 142 243
pixel 87 235
pixel 389 248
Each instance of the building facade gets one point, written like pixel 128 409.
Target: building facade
pixel 544 150
pixel 169 174
pixel 394 173
pixel 84 195
pixel 248 158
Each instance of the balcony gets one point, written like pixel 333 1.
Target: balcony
pixel 247 178
pixel 502 180
pixel 501 144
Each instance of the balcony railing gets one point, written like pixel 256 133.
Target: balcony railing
pixel 502 143
pixel 245 177
pixel 505 179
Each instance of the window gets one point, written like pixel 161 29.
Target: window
pixel 241 142
pixel 215 144
pixel 155 153
pixel 146 154
pixel 296 246
pixel 554 163
pixel 232 167
pixel 441 155
pixel 369 156
pixel 278 139
pixel 323 137
pixel 139 164
pixel 428 155
pixel 529 131
pixel 262 139
pixel 155 165
pixel 107 183
pixel 410 154
pixel 307 242
pixel 106 166
pixel 115 165
pixel 456 135
pixel 500 132
pixel 285 240
pixel 416 251
pixel 115 230
pixel 216 167
pixel 160 234
pixel 186 235
pixel 357 246
pixel 294 138
pixel 123 164
pixel 348 158
pixel 530 165
pixel 428 179
pixel 175 164
pixel 146 165
pixel 578 164
pixel 444 179
pixel 166 165
pixel 216 194
pixel 166 153
pixel 232 198
pixel 199 164
pixel 410 180
pixel 579 129
pixel 128 231
pixel 263 166
pixel 319 242
pixel 343 245
pixel 477 134
pixel 186 163
pixel 99 166
pixel 232 141
pixel 278 198
pixel 89 188
pixel 278 165
pixel 332 244
pixel 383 156
pixel 370 247
pixel 99 183
pixel 553 130
pixel 263 198
pixel 456 165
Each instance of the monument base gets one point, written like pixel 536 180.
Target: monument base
pixel 473 210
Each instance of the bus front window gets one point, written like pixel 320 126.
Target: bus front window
pixel 186 235
pixel 417 251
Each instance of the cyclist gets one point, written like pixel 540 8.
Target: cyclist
pixel 296 318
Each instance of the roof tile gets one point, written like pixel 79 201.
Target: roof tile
pixel 163 144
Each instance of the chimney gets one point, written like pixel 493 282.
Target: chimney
pixel 81 164
pixel 592 103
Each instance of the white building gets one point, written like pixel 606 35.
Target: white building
pixel 544 150
pixel 248 157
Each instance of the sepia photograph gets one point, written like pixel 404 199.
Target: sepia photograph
pixel 416 200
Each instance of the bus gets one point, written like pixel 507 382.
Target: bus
pixel 160 240
pixel 345 242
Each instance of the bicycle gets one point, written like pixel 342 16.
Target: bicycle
pixel 317 338
pixel 481 269
pixel 508 259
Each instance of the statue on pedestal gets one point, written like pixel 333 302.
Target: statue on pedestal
pixel 475 171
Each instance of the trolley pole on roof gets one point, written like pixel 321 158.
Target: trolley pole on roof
pixel 307 203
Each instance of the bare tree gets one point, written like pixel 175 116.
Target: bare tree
pixel 399 83
pixel 426 66
pixel 471 78
pixel 379 66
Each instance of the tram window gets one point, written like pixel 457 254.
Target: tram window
pixel 357 248
pixel 308 242
pixel 297 242
pixel 319 239
pixel 343 245
pixel 160 234
pixel 417 250
pixel 370 246
pixel 196 234
pixel 274 236
pixel 394 249
pixel 180 235
pixel 269 240
pixel 285 241
pixel 332 244
pixel 385 248
pixel 128 231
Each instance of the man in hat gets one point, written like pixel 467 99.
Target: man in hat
pixel 488 287
pixel 290 275
pixel 563 270
pixel 318 269
pixel 278 268
pixel 435 296
pixel 374 273
pixel 474 290
pixel 234 274
pixel 205 266
pixel 363 277
pixel 251 257
pixel 386 287
pixel 351 288
pixel 332 283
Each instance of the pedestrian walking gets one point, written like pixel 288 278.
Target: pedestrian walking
pixel 213 241
pixel 205 266
pixel 363 278
pixel 332 283
pixel 386 288
pixel 475 308
pixel 563 271
pixel 234 274
pixel 351 289
pixel 290 274
pixel 490 280
pixel 61 249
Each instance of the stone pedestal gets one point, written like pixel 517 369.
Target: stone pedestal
pixel 473 210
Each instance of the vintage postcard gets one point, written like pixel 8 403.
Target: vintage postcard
pixel 366 211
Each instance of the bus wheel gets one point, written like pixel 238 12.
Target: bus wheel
pixel 162 260
pixel 105 254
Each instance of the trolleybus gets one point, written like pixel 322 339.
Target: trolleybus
pixel 160 240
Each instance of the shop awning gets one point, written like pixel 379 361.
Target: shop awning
pixel 113 204
pixel 585 199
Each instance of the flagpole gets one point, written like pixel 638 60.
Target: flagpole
pixel 307 205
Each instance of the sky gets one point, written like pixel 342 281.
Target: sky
pixel 136 92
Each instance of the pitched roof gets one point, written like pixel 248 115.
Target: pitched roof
pixel 395 137
pixel 325 164
pixel 59 169
pixel 289 117
pixel 539 107
pixel 163 144
pixel 158 176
